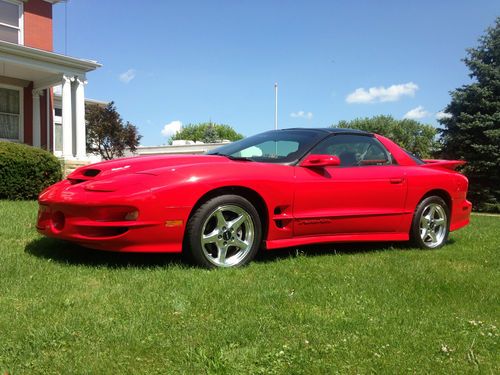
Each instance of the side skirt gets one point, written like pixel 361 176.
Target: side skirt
pixel 371 237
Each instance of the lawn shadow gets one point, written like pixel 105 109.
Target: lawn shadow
pixel 351 248
pixel 73 254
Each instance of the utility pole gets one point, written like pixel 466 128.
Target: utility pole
pixel 66 27
pixel 276 106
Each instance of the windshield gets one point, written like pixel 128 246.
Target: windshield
pixel 277 146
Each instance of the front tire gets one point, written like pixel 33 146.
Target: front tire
pixel 431 224
pixel 223 232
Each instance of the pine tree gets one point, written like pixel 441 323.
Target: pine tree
pixel 472 130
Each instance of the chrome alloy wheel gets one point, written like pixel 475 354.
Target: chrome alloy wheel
pixel 227 235
pixel 433 225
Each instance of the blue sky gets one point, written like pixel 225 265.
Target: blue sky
pixel 166 62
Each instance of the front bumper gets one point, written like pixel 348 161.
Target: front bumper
pixel 131 223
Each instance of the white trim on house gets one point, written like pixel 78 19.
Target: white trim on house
pixel 47 104
pixel 58 122
pixel 21 112
pixel 46 70
pixel 21 25
pixel 37 120
pixel 47 61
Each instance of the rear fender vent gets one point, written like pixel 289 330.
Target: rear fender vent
pixel 281 217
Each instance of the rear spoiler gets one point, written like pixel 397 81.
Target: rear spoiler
pixel 447 164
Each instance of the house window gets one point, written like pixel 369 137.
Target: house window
pixel 10 114
pixel 11 21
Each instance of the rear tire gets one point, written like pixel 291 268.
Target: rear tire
pixel 431 224
pixel 225 231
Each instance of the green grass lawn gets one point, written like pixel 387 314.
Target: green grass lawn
pixel 331 309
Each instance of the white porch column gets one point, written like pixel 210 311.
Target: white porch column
pixel 36 119
pixel 79 105
pixel 67 117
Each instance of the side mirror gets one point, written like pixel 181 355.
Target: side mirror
pixel 318 160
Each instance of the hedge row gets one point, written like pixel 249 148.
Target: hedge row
pixel 25 171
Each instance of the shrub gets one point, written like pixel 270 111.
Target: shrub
pixel 25 171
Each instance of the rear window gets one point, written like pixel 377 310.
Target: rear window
pixel 415 158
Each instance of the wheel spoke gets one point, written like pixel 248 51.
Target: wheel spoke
pixel 221 254
pixel 221 220
pixel 439 221
pixel 432 212
pixel 240 243
pixel 432 234
pixel 423 233
pixel 236 223
pixel 210 237
pixel 424 222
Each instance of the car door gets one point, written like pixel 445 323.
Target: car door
pixel 365 194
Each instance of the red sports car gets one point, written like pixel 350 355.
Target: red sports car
pixel 277 189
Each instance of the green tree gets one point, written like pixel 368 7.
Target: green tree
pixel 412 135
pixel 107 135
pixel 207 132
pixel 472 130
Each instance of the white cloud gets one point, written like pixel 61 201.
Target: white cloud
pixel 171 128
pixel 382 94
pixel 127 76
pixel 416 113
pixel 442 114
pixel 302 114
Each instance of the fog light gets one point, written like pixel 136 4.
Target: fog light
pixel 58 220
pixel 132 215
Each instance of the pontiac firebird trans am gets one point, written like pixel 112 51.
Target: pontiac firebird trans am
pixel 277 189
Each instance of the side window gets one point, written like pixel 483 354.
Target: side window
pixel 354 150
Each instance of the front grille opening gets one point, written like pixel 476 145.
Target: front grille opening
pixel 97 232
pixel 58 221
pixel 91 172
pixel 114 213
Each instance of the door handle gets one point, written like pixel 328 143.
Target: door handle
pixel 396 180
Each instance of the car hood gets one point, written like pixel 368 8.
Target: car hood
pixel 154 165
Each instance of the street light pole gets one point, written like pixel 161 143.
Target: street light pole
pixel 276 106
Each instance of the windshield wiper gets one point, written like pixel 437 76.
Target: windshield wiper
pixel 237 158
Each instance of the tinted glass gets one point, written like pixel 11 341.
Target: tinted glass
pixel 9 113
pixel 9 34
pixel 281 146
pixel 9 13
pixel 9 100
pixel 354 150
pixel 415 158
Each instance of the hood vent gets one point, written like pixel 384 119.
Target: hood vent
pixel 91 172
pixel 82 175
